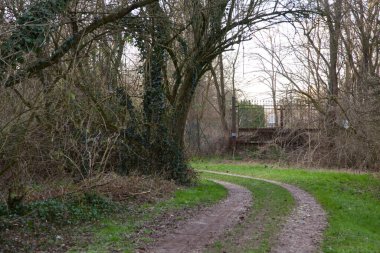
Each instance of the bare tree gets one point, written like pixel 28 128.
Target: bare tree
pixel 269 62
pixel 221 90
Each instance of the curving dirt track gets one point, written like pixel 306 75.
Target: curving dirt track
pixel 303 229
pixel 203 229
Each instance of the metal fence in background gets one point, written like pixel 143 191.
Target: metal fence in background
pixel 264 114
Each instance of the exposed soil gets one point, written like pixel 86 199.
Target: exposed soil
pixel 196 233
pixel 163 225
pixel 303 229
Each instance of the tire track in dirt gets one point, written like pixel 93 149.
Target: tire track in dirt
pixel 303 229
pixel 195 234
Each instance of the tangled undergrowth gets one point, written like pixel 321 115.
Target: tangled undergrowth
pixel 52 209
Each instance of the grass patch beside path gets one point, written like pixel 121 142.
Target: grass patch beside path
pixel 352 202
pixel 116 233
pixel 271 204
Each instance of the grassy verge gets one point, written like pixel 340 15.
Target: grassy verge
pixel 116 233
pixel 352 202
pixel 271 204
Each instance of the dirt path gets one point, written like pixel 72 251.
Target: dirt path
pixel 203 229
pixel 303 230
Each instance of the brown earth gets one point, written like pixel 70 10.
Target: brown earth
pixel 196 233
pixel 303 229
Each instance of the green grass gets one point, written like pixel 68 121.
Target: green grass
pixel 271 204
pixel 206 192
pixel 352 202
pixel 116 233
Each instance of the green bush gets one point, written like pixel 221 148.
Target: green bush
pixel 3 209
pixel 89 206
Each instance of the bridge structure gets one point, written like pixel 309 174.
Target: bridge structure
pixel 285 124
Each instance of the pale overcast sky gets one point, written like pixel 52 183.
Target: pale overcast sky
pixel 249 72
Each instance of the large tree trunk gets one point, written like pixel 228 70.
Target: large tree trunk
pixel 334 19
pixel 183 103
pixel 221 97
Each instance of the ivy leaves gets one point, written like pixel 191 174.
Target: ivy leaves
pixel 32 32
